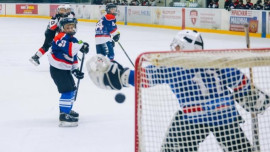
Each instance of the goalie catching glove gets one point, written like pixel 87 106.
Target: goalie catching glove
pixel 106 74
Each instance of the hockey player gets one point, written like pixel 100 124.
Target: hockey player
pixel 63 63
pixel 52 28
pixel 69 12
pixel 210 105
pixel 107 33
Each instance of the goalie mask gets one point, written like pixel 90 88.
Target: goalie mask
pixel 69 25
pixel 187 40
pixel 111 9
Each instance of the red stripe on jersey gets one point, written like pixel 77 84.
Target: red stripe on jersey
pixel 113 30
pixel 242 84
pixel 70 49
pixel 53 27
pixel 60 60
pixel 42 51
pixel 192 109
pixel 222 107
pixel 59 36
pixel 109 17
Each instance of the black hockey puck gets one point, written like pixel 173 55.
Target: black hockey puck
pixel 120 97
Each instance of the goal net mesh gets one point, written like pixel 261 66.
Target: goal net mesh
pixel 203 101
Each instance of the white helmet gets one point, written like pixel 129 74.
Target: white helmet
pixel 187 40
pixel 68 9
pixel 61 10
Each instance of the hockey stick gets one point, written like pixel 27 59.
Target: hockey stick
pixel 254 115
pixel 125 53
pixel 78 83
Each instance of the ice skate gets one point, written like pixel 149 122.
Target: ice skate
pixel 35 60
pixel 74 114
pixel 66 120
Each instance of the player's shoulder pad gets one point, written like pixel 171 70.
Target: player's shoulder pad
pixel 109 17
pixel 59 36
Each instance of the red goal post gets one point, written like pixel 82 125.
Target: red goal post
pixel 157 104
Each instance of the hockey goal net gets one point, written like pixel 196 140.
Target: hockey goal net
pixel 205 101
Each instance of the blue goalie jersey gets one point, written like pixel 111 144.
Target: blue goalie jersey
pixel 204 95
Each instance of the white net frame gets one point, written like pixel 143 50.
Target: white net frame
pixel 156 106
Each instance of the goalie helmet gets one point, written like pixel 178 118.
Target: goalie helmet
pixel 187 40
pixel 61 10
pixel 111 9
pixel 66 21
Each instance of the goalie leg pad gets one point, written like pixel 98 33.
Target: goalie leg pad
pixel 184 136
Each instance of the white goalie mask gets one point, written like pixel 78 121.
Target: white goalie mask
pixel 187 40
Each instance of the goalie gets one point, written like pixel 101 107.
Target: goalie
pixel 207 98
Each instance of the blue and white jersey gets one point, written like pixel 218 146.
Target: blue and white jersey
pixel 64 52
pixel 105 29
pixel 204 95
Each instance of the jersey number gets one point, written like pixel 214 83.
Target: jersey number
pixel 62 43
pixel 203 87
pixel 99 25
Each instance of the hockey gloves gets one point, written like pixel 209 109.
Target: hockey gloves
pixel 253 100
pixel 85 48
pixel 116 37
pixel 106 74
pixel 78 74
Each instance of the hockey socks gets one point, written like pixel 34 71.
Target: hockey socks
pixel 66 102
pixel 66 118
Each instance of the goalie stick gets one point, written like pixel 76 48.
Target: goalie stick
pixel 254 115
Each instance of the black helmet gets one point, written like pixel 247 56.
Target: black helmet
pixel 66 21
pixel 109 6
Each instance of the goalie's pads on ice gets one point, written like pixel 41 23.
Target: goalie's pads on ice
pixel 106 74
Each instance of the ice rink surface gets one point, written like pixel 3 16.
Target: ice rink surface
pixel 29 98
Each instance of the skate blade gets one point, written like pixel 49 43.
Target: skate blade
pixel 33 62
pixel 68 124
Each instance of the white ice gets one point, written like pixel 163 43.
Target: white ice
pixel 29 99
